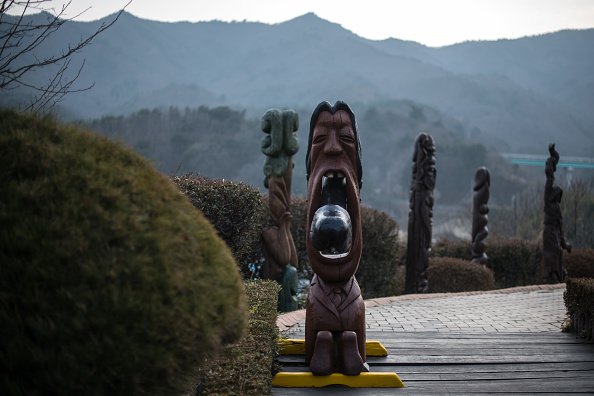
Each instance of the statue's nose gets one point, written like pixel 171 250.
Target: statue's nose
pixel 332 146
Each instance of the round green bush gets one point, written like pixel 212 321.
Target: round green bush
pixel 515 262
pixel 236 210
pixel 579 263
pixel 448 274
pixel 111 283
pixel 379 272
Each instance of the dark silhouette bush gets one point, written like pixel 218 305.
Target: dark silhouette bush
pixel 298 230
pixel 579 263
pixel 236 210
pixel 448 274
pixel 579 301
pixel 379 272
pixel 111 283
pixel 514 262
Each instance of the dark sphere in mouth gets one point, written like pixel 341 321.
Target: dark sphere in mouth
pixel 331 230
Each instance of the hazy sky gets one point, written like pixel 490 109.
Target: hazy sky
pixel 431 22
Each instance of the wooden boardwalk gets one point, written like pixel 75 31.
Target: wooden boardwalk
pixel 473 363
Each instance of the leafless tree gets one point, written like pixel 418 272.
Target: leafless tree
pixel 22 37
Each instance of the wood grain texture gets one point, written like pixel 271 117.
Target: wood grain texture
pixel 456 363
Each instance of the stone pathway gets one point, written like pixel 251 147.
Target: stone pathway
pixel 521 309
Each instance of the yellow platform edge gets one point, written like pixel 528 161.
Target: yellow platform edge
pixel 363 380
pixel 292 346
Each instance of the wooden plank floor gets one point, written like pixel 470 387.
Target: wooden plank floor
pixel 474 363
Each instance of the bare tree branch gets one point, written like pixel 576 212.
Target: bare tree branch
pixel 20 40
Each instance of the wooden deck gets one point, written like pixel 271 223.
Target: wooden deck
pixel 473 363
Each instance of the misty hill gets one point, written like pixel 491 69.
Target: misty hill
pixel 224 143
pixel 512 95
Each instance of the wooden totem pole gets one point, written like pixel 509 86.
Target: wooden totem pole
pixel 480 218
pixel 335 313
pixel 420 215
pixel 553 240
pixel 279 145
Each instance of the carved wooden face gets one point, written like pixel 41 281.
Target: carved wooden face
pixel 333 155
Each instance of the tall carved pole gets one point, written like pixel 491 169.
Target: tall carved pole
pixel 480 218
pixel 279 145
pixel 553 240
pixel 420 215
pixel 335 313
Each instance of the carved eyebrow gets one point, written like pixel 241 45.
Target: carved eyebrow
pixel 327 123
pixel 334 124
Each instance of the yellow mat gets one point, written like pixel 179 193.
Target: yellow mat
pixel 290 346
pixel 363 380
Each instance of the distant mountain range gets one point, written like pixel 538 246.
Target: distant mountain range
pixel 515 95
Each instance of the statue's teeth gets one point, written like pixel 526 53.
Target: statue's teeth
pixel 340 174
pixel 329 174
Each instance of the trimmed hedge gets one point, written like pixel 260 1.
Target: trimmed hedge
pixel 579 263
pixel 245 368
pixel 579 301
pixel 514 262
pixel 448 274
pixel 236 210
pixel 240 213
pixel 298 229
pixel 379 272
pixel 111 283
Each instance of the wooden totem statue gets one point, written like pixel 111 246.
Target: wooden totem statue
pixel 279 145
pixel 420 215
pixel 335 313
pixel 480 218
pixel 553 240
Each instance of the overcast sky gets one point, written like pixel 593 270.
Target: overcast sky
pixel 430 22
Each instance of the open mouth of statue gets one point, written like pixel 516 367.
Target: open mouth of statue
pixel 331 229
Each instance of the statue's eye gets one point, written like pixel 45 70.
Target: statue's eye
pixel 319 138
pixel 347 138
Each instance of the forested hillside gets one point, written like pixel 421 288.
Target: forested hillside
pixel 225 143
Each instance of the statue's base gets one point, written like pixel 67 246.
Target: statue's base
pixel 363 380
pixel 290 346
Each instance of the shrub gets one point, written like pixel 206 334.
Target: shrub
pixel 235 210
pixel 448 274
pixel 579 301
pixel 298 229
pixel 245 367
pixel 514 262
pixel 454 248
pixel 579 263
pixel 379 273
pixel 111 283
